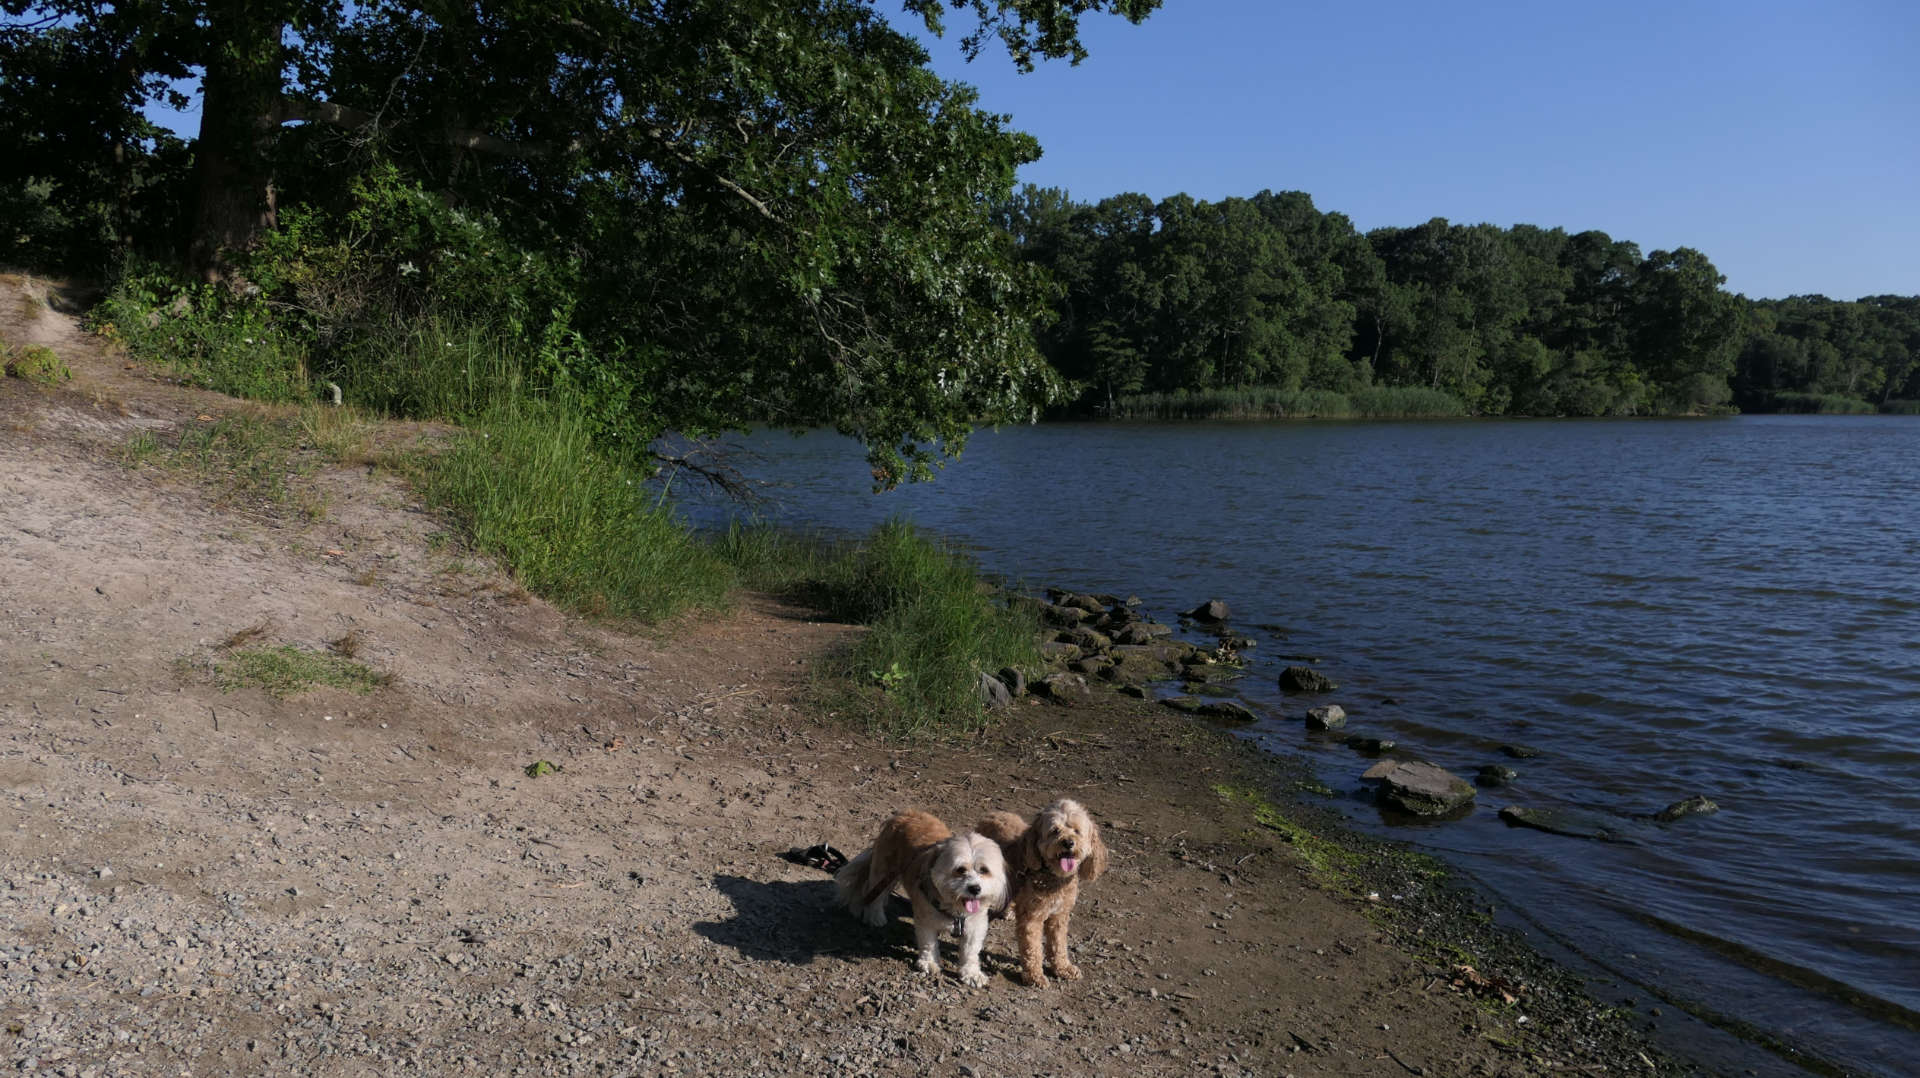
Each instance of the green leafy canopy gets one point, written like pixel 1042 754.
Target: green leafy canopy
pixel 762 210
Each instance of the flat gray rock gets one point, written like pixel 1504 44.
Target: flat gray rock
pixel 1419 787
pixel 1569 822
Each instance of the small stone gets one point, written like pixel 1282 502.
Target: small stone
pixel 103 872
pixel 1306 679
pixel 1226 711
pixel 1692 806
pixel 1015 680
pixel 1520 752
pixel 993 692
pixel 1066 689
pixel 1495 775
pixel 1327 717
pixel 1213 610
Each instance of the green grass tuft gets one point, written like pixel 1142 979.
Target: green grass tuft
pixel 287 671
pixel 933 626
pixel 574 525
pixel 247 457
pixel 37 364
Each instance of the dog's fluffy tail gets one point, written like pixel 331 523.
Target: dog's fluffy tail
pixel 1002 827
pixel 856 890
pixel 851 880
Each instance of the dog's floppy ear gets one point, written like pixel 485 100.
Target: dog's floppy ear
pixel 1005 882
pixel 1026 853
pixel 919 870
pixel 1096 859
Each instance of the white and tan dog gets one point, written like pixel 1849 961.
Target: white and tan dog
pixel 1050 858
pixel 954 881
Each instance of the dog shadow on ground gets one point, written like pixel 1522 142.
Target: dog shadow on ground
pixel 796 921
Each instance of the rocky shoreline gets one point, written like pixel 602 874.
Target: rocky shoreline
pixel 1095 640
pixel 1091 640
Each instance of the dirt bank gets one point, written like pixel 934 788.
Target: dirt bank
pixel 203 881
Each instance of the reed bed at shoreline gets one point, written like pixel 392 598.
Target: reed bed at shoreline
pixel 1269 402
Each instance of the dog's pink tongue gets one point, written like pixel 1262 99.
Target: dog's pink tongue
pixel 973 905
pixel 1068 864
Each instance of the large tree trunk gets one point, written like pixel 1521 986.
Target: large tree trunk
pixel 233 170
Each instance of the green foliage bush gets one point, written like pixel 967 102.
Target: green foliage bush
pixel 35 363
pixel 208 336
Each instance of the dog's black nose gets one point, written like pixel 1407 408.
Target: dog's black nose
pixel 1067 845
pixel 973 889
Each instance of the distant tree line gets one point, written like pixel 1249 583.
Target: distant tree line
pixel 1811 353
pixel 1196 299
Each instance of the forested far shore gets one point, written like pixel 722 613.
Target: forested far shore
pixel 1267 306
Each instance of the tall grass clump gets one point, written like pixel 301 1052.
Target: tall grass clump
pixel 573 524
pixel 933 626
pixel 799 566
pixel 1900 407
pixel 433 365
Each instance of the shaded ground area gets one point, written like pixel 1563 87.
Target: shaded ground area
pixel 195 880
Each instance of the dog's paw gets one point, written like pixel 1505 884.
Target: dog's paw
pixel 1066 971
pixel 973 978
pixel 927 964
pixel 1036 979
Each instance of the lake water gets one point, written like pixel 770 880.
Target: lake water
pixel 1724 607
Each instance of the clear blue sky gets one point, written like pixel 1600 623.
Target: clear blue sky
pixel 1782 139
